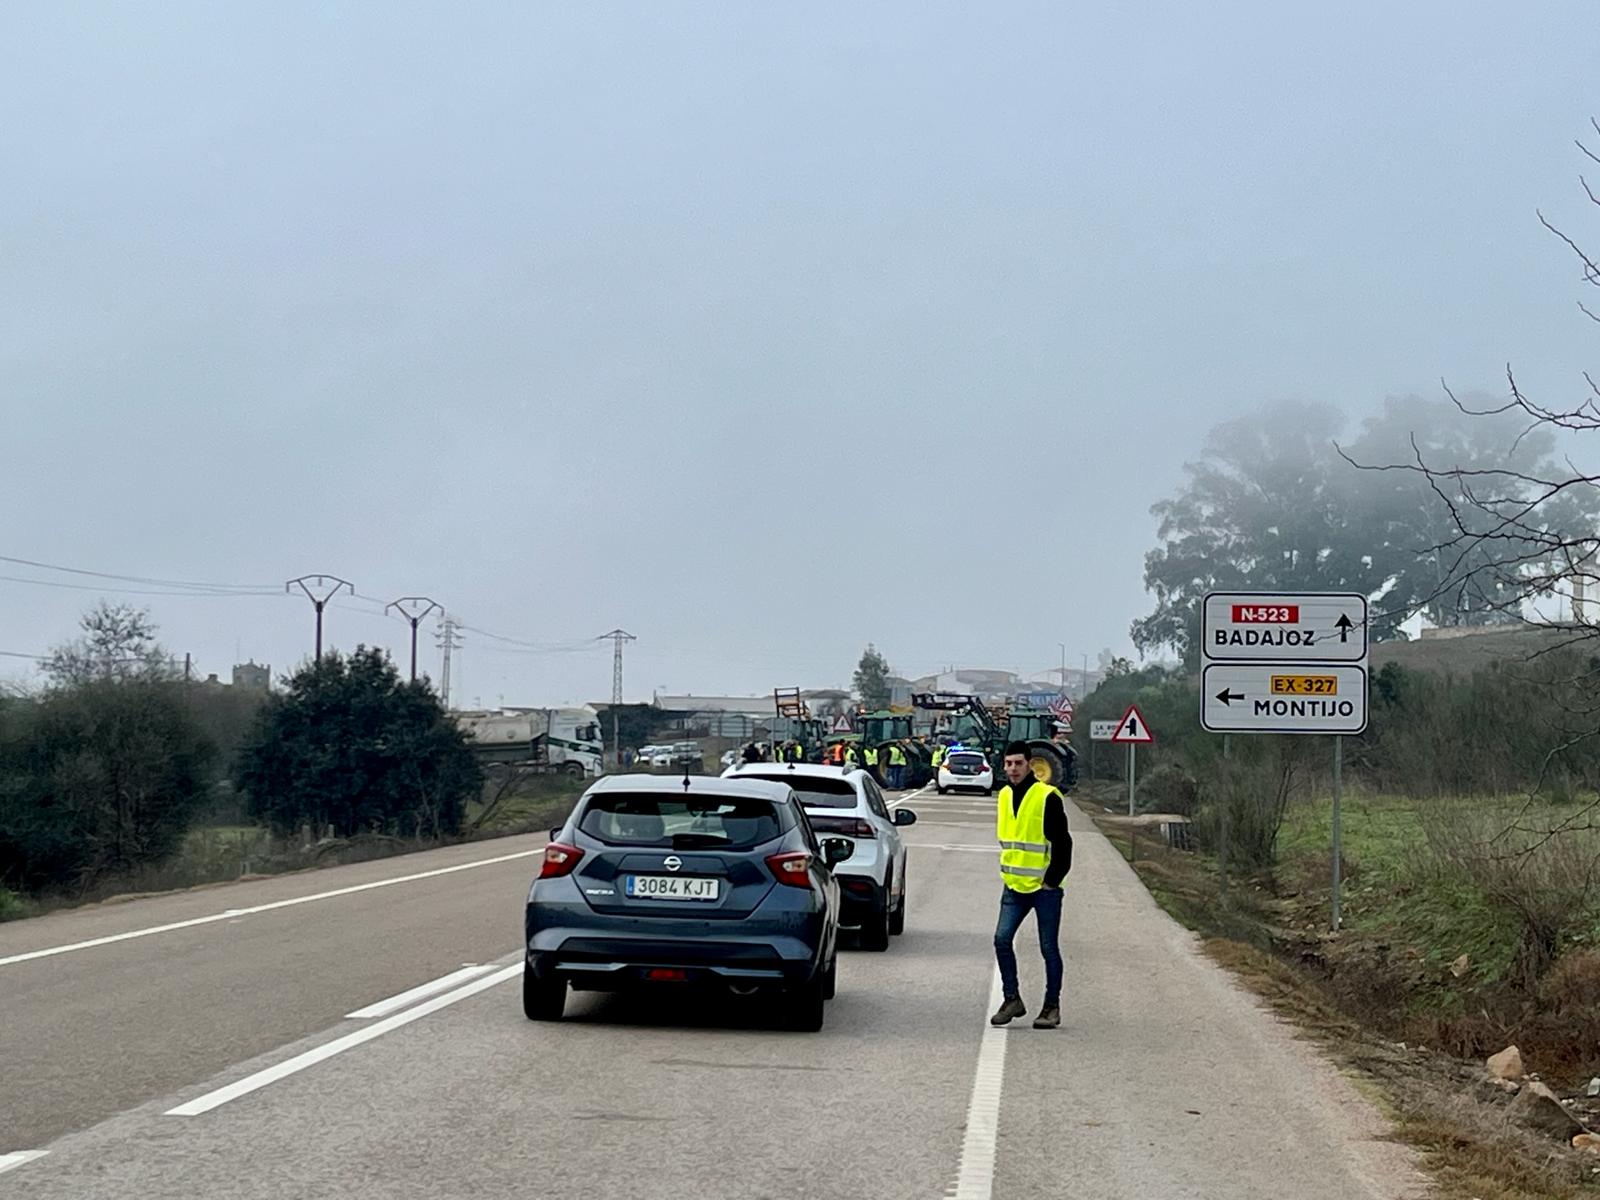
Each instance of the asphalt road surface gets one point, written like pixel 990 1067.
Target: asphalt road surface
pixel 358 1032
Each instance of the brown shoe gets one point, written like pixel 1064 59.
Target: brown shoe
pixel 1008 1012
pixel 1049 1017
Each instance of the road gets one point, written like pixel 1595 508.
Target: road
pixel 202 1044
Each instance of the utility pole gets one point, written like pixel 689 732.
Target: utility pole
pixel 413 609
pixel 319 589
pixel 1063 646
pixel 617 637
pixel 448 639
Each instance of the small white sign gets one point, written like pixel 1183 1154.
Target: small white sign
pixel 1298 697
pixel 1273 627
pixel 841 724
pixel 1102 731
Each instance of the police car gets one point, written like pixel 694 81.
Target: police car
pixel 965 770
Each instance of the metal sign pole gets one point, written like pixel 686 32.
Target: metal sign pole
pixel 1338 788
pixel 1132 763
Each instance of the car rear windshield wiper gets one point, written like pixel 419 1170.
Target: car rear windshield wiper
pixel 696 841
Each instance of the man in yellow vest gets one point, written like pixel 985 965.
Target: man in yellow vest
pixel 1035 856
pixel 897 767
pixel 869 759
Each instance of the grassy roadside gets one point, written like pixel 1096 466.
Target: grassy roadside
pixel 213 855
pixel 1372 994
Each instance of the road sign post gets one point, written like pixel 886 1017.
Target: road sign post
pixel 1287 663
pixel 1338 789
pixel 1132 731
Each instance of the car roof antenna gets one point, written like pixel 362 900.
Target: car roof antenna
pixel 686 777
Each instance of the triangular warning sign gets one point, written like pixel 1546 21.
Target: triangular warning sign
pixel 1133 729
pixel 841 724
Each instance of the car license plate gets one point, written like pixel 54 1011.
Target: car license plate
pixel 671 887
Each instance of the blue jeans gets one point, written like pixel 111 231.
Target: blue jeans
pixel 897 776
pixel 1045 904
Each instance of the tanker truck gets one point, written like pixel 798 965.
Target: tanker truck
pixel 553 740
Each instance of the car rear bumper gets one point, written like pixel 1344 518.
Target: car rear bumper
pixel 860 899
pixel 957 783
pixel 595 957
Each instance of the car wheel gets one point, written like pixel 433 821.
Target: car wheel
pixel 830 983
pixel 875 929
pixel 542 999
pixel 897 919
pixel 943 791
pixel 803 1006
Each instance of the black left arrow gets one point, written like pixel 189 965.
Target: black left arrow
pixel 1344 625
pixel 1228 696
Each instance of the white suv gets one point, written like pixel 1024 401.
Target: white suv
pixel 849 804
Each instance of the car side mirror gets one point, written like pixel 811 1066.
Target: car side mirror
pixel 555 834
pixel 904 816
pixel 836 849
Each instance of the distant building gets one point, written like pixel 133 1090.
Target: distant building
pixel 252 677
pixel 718 716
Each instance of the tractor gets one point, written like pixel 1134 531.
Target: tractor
pixel 878 729
pixel 973 724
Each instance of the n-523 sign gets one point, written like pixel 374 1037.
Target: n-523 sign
pixel 1263 627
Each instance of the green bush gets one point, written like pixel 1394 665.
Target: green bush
pixel 96 780
pixel 352 747
pixel 1168 789
pixel 12 905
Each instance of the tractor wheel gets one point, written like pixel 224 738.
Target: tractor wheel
pixel 1048 766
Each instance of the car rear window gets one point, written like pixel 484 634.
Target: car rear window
pixel 680 822
pixel 969 760
pixel 814 791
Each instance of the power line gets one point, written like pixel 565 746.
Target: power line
pixel 174 583
pixel 123 591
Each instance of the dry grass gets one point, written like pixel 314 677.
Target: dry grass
pixel 1442 1105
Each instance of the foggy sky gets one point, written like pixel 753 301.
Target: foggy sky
pixel 761 331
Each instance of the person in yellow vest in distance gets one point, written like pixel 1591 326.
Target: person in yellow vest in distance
pixel 1035 856
pixel 897 767
pixel 869 757
pixel 939 752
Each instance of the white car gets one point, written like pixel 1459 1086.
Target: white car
pixel 848 803
pixel 964 770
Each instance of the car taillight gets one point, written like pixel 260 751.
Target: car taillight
pixel 854 826
pixel 559 860
pixel 793 869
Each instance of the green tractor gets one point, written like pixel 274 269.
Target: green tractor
pixel 972 724
pixel 878 729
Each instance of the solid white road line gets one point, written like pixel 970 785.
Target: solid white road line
pixel 311 1058
pixel 975 1174
pixel 384 1007
pixel 261 908
pixel 16 1159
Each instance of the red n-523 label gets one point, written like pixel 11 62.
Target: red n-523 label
pixel 1266 614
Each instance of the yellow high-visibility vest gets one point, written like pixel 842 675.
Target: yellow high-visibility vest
pixel 870 756
pixel 897 756
pixel 938 755
pixel 1024 850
